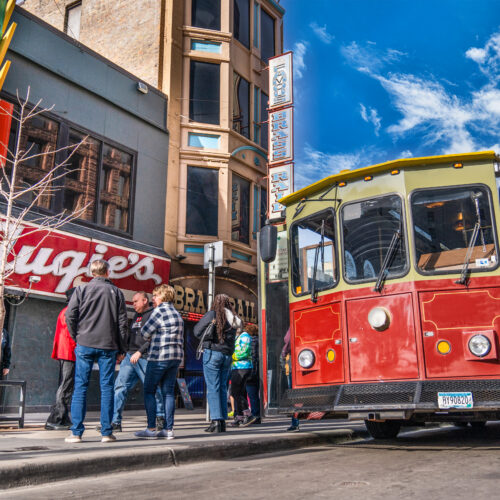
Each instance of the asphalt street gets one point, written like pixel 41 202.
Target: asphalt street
pixel 445 462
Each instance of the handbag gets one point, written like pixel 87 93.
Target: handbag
pixel 207 334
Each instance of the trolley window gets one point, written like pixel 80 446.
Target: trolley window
pixel 313 253
pixel 374 242
pixel 453 229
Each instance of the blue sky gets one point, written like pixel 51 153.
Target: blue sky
pixel 376 80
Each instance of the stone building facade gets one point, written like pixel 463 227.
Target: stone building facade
pixel 210 58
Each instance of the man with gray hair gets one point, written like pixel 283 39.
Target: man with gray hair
pixel 97 320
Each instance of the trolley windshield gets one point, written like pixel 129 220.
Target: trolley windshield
pixel 373 236
pixel 453 228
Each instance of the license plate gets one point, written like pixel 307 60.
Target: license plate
pixel 455 400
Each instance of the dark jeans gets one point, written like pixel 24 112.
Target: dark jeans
pixel 238 389
pixel 85 358
pixel 59 413
pixel 253 396
pixel 164 375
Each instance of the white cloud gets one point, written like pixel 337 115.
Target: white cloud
pixel 322 33
pixel 371 116
pixel 452 123
pixel 299 65
pixel 315 165
pixel 405 154
pixel 487 57
pixel 368 58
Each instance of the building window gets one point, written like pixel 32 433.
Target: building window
pixel 97 176
pixel 263 207
pixel 261 129
pixel 241 105
pixel 266 36
pixel 202 201
pixel 240 210
pixel 256 24
pixel 114 189
pixel 80 182
pixel 72 20
pixel 206 14
pixel 39 141
pixel 241 22
pixel 204 92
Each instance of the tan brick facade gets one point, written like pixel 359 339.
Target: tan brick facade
pixel 124 31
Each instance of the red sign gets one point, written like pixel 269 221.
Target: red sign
pixel 61 261
pixel 6 110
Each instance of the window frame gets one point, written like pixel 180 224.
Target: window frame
pixel 264 11
pixel 249 47
pixel 202 27
pixel 192 61
pixel 291 252
pixel 249 110
pixel 493 225
pixel 216 169
pixel 404 221
pixel 63 140
pixel 67 10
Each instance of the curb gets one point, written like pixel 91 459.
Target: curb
pixel 46 470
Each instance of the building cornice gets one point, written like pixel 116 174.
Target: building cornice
pixel 204 34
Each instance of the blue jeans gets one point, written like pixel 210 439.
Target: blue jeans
pixel 253 396
pixel 85 358
pixel 216 369
pixel 128 376
pixel 161 374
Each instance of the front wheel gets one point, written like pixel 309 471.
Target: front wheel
pixel 383 430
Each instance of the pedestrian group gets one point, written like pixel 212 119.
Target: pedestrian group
pixel 93 328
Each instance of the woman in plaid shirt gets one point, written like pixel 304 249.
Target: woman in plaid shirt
pixel 165 331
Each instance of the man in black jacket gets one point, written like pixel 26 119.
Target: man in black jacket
pixel 97 320
pixel 133 366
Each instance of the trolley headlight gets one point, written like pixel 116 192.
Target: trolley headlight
pixel 306 358
pixel 479 345
pixel 379 318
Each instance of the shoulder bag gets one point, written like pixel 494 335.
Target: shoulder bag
pixel 206 335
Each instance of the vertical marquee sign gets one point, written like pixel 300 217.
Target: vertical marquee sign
pixel 280 161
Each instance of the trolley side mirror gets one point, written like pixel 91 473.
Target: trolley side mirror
pixel 268 243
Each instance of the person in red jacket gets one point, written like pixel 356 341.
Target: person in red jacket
pixel 64 352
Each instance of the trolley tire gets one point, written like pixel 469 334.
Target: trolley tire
pixel 383 430
pixel 480 424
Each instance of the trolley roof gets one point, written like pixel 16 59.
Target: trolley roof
pixel 380 167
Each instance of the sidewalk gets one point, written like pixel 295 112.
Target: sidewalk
pixel 33 455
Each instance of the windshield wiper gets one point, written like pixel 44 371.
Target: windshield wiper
pixel 391 251
pixel 475 233
pixel 314 293
pixel 465 267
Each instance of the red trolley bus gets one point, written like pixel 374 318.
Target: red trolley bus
pixel 388 279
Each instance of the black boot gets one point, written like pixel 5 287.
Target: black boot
pixel 222 425
pixel 214 426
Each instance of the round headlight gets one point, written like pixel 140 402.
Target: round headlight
pixel 306 358
pixel 379 318
pixel 479 345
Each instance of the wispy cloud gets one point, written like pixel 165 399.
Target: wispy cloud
pixel 368 57
pixel 452 123
pixel 370 115
pixel 314 165
pixel 299 65
pixel 487 57
pixel 322 33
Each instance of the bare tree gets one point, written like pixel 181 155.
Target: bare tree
pixel 21 198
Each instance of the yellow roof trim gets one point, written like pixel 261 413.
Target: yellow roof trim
pixel 380 167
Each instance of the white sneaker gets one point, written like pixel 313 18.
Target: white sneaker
pixel 108 439
pixel 73 438
pixel 166 434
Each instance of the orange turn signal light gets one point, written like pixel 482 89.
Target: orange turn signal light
pixel 368 177
pixel 342 184
pixel 458 165
pixel 394 172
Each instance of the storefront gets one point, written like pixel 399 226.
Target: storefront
pixel 118 174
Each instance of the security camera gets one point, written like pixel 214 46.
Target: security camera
pixel 34 279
